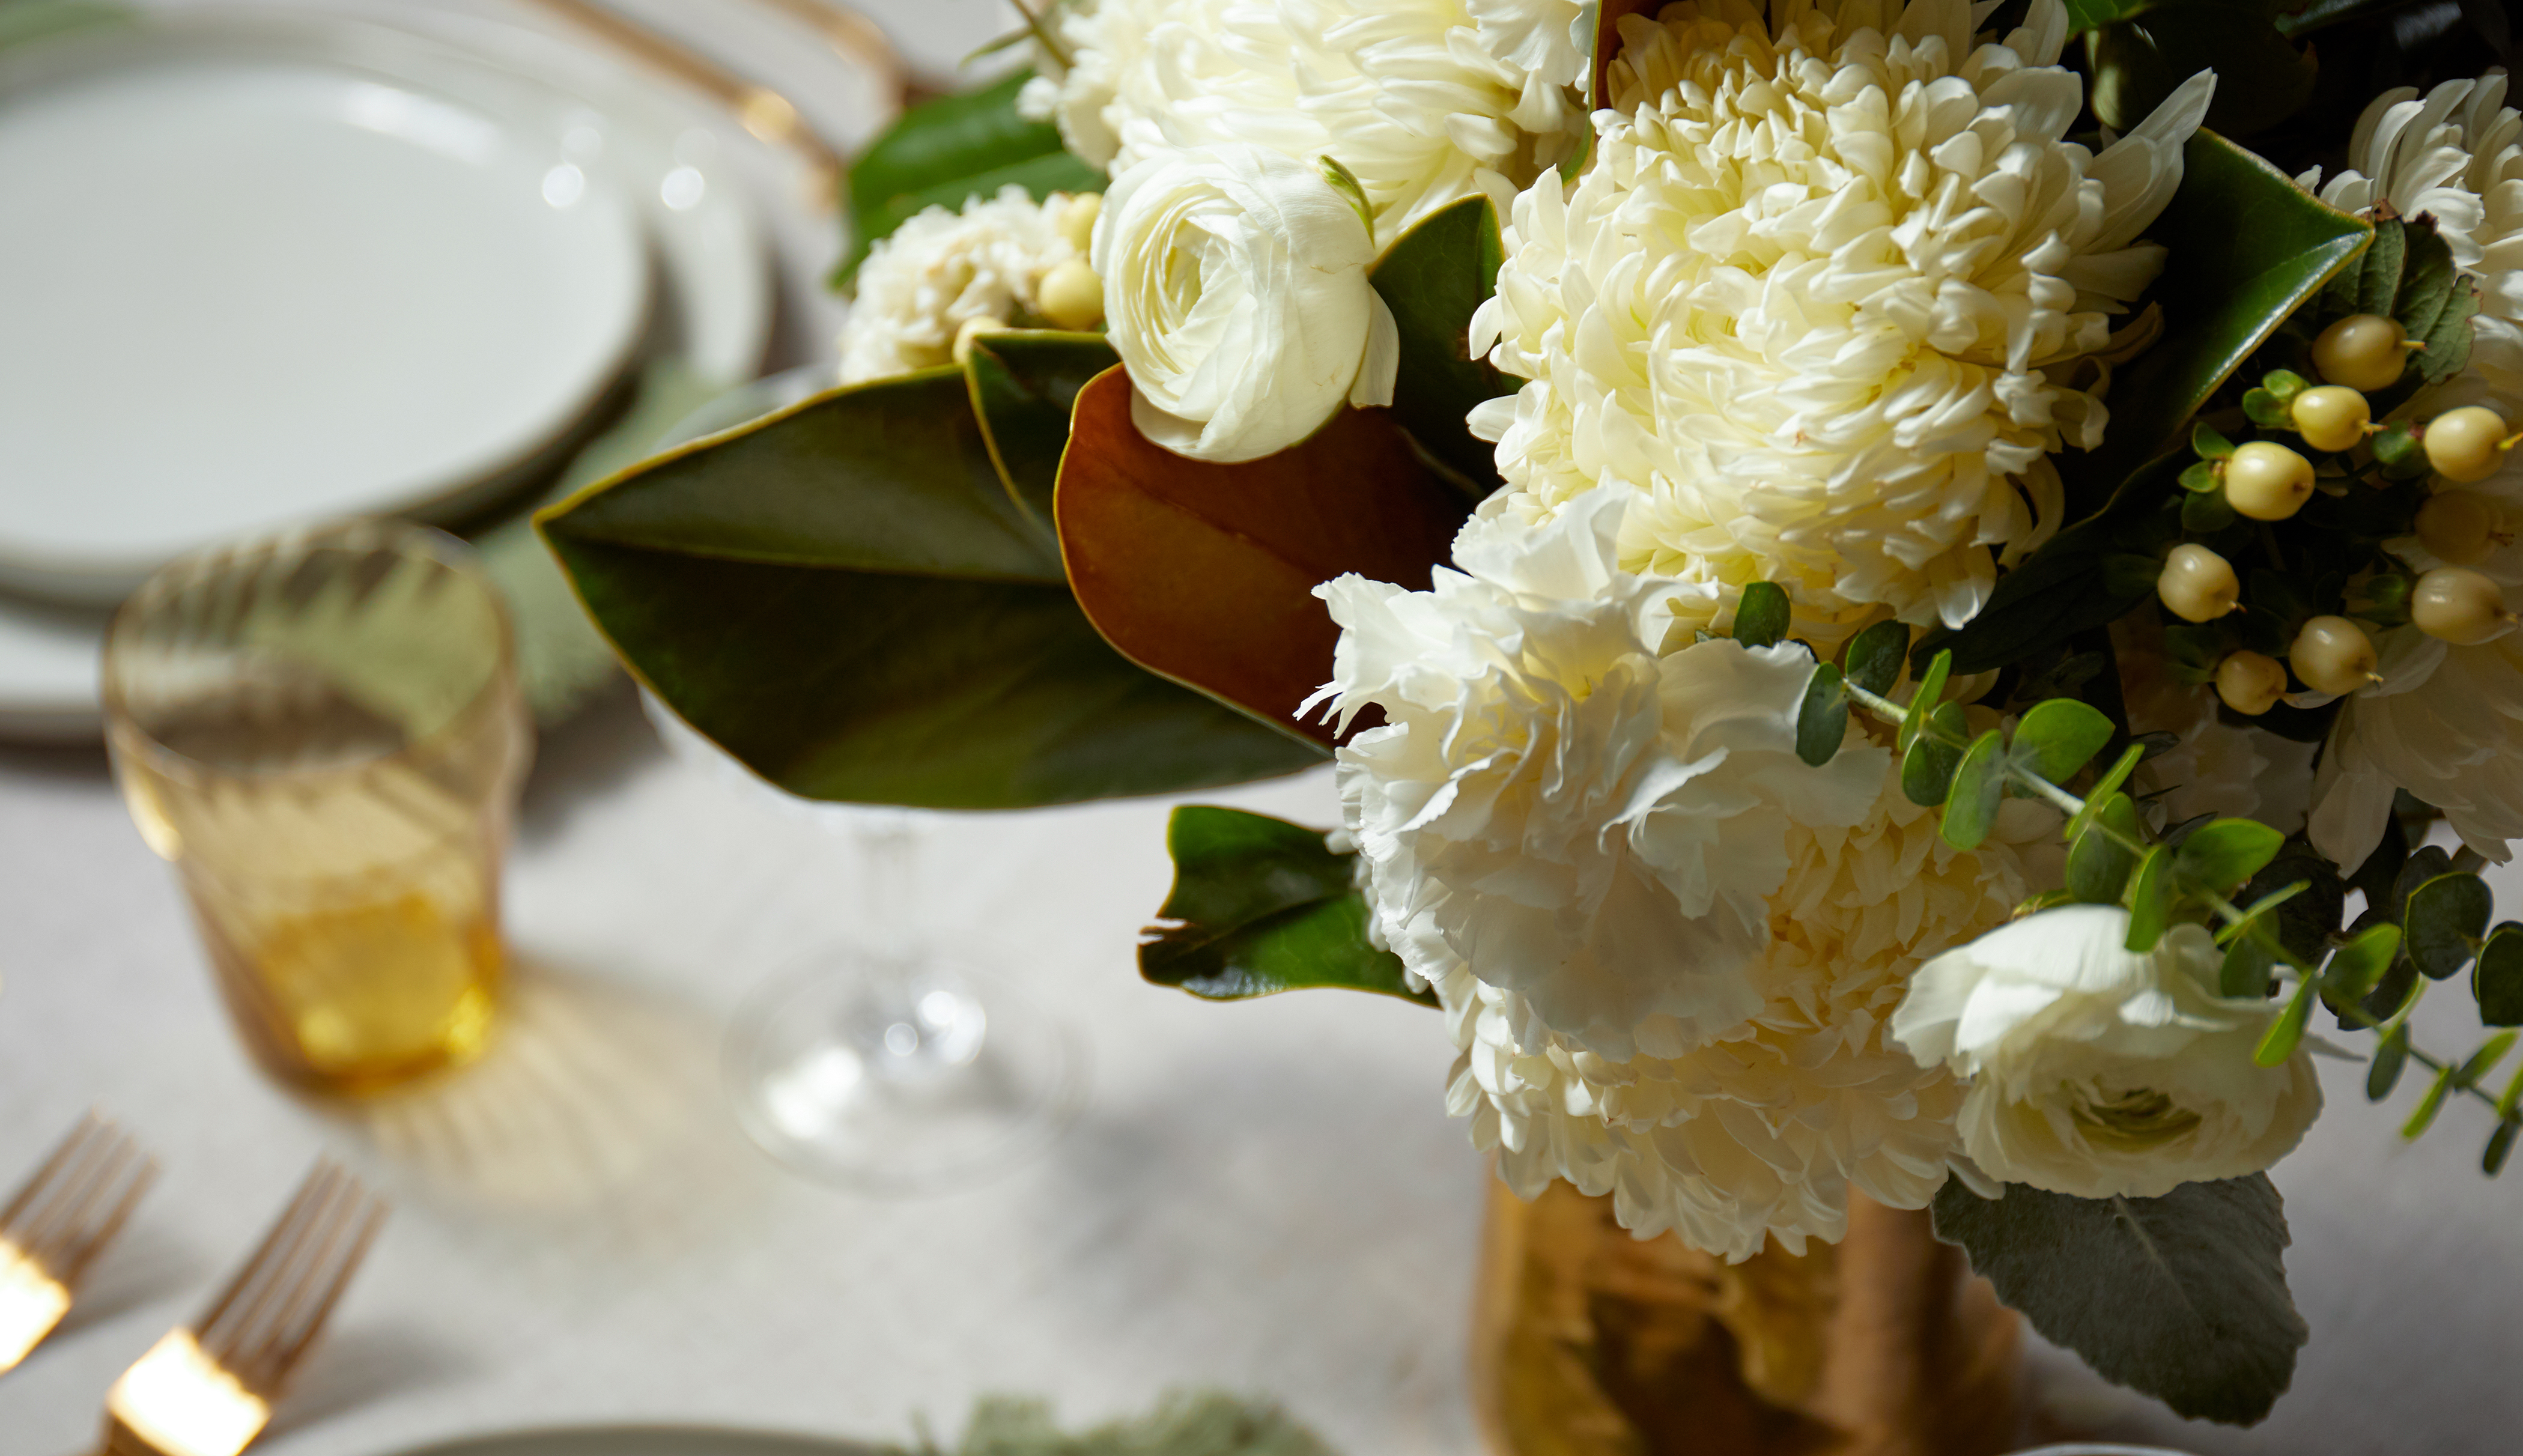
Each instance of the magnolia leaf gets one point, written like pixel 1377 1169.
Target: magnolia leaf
pixel 2497 980
pixel 1822 719
pixel 2098 864
pixel 1761 617
pixel 1205 573
pixel 2391 1054
pixel 2182 1298
pixel 1433 277
pixel 845 596
pixel 1980 784
pixel 1927 766
pixel 943 151
pixel 2151 899
pixel 2443 922
pixel 2279 1042
pixel 1261 906
pixel 1023 382
pixel 2219 856
pixel 2058 737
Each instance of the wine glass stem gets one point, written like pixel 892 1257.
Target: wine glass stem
pixel 890 883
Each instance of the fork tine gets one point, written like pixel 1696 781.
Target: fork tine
pixel 74 1202
pixel 41 1178
pixel 282 1237
pixel 102 1230
pixel 290 1332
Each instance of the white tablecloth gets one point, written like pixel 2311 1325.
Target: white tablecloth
pixel 1265 1197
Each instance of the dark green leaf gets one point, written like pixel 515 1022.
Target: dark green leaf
pixel 1928 768
pixel 1980 784
pixel 2497 980
pixel 845 596
pixel 1875 656
pixel 2355 967
pixel 2424 1116
pixel 2206 515
pixel 2391 1053
pixel 2263 77
pixel 1822 721
pixel 2068 586
pixel 2207 443
pixel 943 151
pixel 2245 970
pixel 2219 856
pixel 2098 865
pixel 2443 922
pixel 1432 277
pixel 1761 618
pixel 1924 700
pixel 2378 272
pixel 2279 1042
pixel 2151 899
pixel 2182 1298
pixel 2500 1144
pixel 1023 383
pixel 1261 906
pixel 2056 739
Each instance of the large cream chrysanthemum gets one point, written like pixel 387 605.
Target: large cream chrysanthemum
pixel 940 271
pixel 1827 298
pixel 1763 1133
pixel 1427 101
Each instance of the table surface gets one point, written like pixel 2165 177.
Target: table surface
pixel 1265 1197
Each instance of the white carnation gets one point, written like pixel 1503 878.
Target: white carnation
pixel 1235 290
pixel 1427 101
pixel 1826 297
pixel 1555 803
pixel 2100 1072
pixel 1764 1133
pixel 942 269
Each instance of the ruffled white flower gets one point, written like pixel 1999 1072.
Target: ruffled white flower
pixel 940 271
pixel 2454 157
pixel 1427 101
pixel 1552 803
pixel 1826 297
pixel 1236 294
pixel 1765 1132
pixel 2100 1072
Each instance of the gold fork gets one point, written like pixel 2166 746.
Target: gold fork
pixel 70 1207
pixel 207 1388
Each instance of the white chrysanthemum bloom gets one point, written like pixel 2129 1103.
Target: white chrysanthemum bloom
pixel 1427 101
pixel 2454 157
pixel 1764 1132
pixel 2100 1072
pixel 940 271
pixel 1826 297
pixel 1554 802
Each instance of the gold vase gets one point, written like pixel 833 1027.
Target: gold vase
pixel 1589 1342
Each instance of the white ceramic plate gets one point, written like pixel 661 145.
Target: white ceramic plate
pixel 274 268
pixel 644 1440
pixel 652 147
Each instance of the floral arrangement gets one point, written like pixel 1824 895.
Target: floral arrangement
pixel 1879 578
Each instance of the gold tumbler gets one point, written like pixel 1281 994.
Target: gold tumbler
pixel 323 732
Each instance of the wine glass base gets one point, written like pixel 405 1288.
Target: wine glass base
pixel 866 1074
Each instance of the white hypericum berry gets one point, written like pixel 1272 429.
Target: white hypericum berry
pixel 1077 219
pixel 2250 682
pixel 2465 444
pixel 2197 584
pixel 972 329
pixel 2333 655
pixel 2364 351
pixel 2461 527
pixel 2331 417
pixel 2459 606
pixel 2267 482
pixel 1070 296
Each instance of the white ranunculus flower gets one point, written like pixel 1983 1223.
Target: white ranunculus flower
pixel 942 269
pixel 2096 1072
pixel 1563 807
pixel 1427 101
pixel 1828 297
pixel 1235 290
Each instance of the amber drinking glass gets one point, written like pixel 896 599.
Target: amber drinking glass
pixel 323 732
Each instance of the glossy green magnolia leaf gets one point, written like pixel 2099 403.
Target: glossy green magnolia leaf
pixel 2497 981
pixel 1205 573
pixel 1261 906
pixel 2279 1042
pixel 2058 737
pixel 2222 854
pixel 1432 277
pixel 845 598
pixel 1761 617
pixel 1822 719
pixel 1875 657
pixel 1023 382
pixel 2182 1298
pixel 942 152
pixel 2098 864
pixel 1978 786
pixel 1927 766
pixel 2248 248
pixel 2151 899
pixel 2391 1054
pixel 2444 922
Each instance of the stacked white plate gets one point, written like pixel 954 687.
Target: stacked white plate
pixel 271 266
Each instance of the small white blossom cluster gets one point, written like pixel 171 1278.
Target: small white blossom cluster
pixel 941 270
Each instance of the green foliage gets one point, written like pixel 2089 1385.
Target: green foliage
pixel 2071 585
pixel 2279 1042
pixel 2497 981
pixel 2500 1144
pixel 2307 918
pixel 2182 1298
pixel 1432 277
pixel 2263 77
pixel 1928 768
pixel 2224 854
pixel 943 151
pixel 1979 787
pixel 1822 719
pixel 846 597
pixel 2151 897
pixel 2098 796
pixel 1023 384
pixel 1261 906
pixel 2057 737
pixel 2245 970
pixel 2355 967
pixel 1875 657
pixel 1929 692
pixel 2098 864
pixel 2444 922
pixel 1200 1424
pixel 2408 275
pixel 2391 1054
pixel 2424 1115
pixel 1762 617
